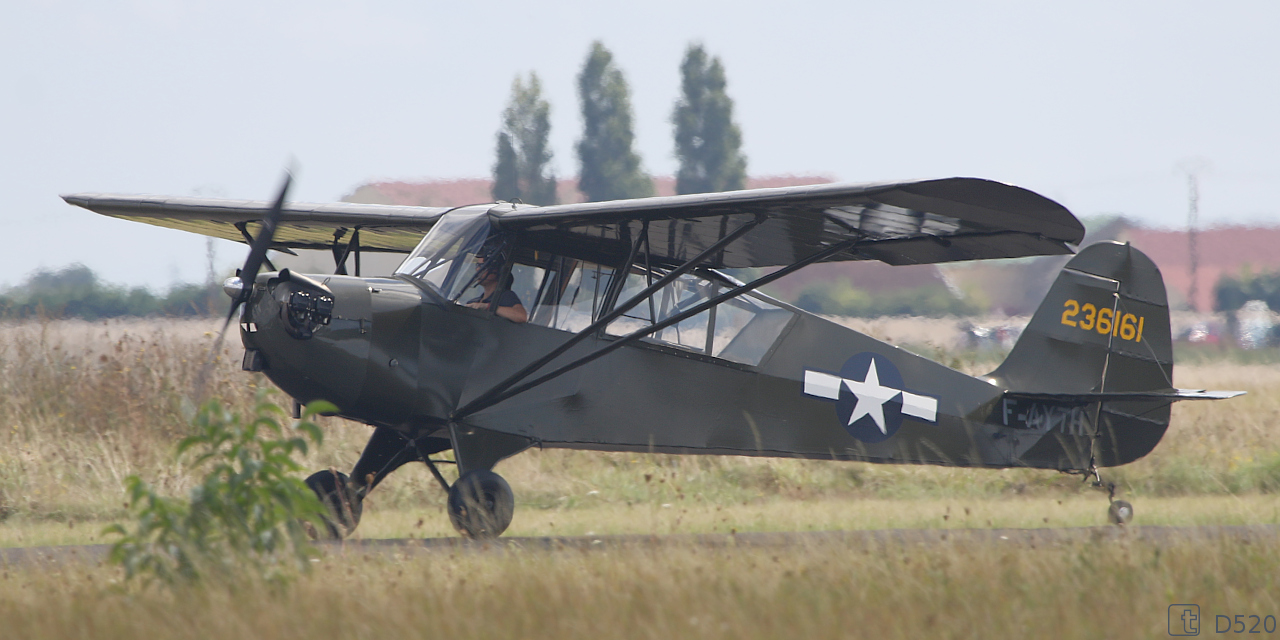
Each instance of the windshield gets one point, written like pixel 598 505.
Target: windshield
pixel 449 256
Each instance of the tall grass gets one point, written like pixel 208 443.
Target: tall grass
pixel 84 405
pixel 1113 588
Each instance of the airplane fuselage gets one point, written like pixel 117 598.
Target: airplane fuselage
pixel 396 354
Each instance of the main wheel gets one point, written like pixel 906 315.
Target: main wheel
pixel 481 504
pixel 340 499
pixel 1120 512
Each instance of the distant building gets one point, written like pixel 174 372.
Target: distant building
pixel 1222 251
pixel 1015 287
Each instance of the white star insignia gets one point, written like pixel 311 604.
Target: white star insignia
pixel 871 397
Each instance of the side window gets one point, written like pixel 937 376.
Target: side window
pixel 525 280
pixel 746 329
pixel 742 329
pixel 681 295
pixel 568 293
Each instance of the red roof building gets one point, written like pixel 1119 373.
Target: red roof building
pixel 1222 251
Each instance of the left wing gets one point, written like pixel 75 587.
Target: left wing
pixel 302 226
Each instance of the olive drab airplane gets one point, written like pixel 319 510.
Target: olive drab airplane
pixel 613 326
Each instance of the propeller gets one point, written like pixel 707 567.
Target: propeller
pixel 241 287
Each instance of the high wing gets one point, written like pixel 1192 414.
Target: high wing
pixel 302 226
pixel 918 222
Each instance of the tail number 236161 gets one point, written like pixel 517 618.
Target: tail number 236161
pixel 1088 317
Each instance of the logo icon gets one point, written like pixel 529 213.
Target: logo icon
pixel 1184 619
pixel 869 396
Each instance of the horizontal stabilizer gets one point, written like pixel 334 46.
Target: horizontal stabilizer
pixel 1172 395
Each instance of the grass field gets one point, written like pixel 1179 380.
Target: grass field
pixel 1120 589
pixel 85 405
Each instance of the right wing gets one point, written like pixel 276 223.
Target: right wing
pixel 914 222
pixel 302 226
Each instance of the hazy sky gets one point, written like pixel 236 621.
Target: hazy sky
pixel 1093 103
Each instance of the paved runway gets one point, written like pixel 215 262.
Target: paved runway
pixel 1016 537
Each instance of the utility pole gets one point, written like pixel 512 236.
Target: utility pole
pixel 1193 212
pixel 210 279
pixel 1193 168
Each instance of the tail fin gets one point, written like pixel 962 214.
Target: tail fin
pixel 1102 330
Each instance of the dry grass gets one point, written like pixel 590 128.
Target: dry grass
pixel 84 405
pixel 87 404
pixel 1107 589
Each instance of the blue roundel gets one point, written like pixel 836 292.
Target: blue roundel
pixel 870 403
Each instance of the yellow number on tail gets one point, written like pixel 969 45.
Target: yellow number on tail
pixel 1090 316
pixel 1127 326
pixel 1128 330
pixel 1104 321
pixel 1069 310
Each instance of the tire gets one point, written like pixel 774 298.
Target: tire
pixel 340 500
pixel 481 504
pixel 1120 513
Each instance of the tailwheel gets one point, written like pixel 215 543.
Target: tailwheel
pixel 1120 512
pixel 481 504
pixel 340 500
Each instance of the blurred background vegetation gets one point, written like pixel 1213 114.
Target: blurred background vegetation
pixel 77 292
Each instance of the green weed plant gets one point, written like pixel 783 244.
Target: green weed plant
pixel 251 514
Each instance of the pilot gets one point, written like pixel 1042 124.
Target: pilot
pixel 509 306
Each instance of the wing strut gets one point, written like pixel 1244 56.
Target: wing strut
pixel 497 394
pixel 341 253
pixel 487 399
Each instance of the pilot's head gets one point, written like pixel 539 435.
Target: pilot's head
pixel 487 270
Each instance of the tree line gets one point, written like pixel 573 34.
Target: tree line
pixel 77 292
pixel 708 146
pixel 708 142
pixel 1232 291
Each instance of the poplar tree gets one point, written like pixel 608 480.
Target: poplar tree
pixel 708 142
pixel 610 169
pixel 522 170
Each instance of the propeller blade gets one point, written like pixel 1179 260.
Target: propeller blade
pixel 258 250
pixel 203 378
pixel 248 274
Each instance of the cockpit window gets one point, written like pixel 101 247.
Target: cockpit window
pixel 450 256
pixel 569 293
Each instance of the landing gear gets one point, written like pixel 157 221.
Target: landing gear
pixel 481 504
pixel 342 501
pixel 343 495
pixel 1119 512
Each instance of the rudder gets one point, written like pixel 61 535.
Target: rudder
pixel 1102 328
